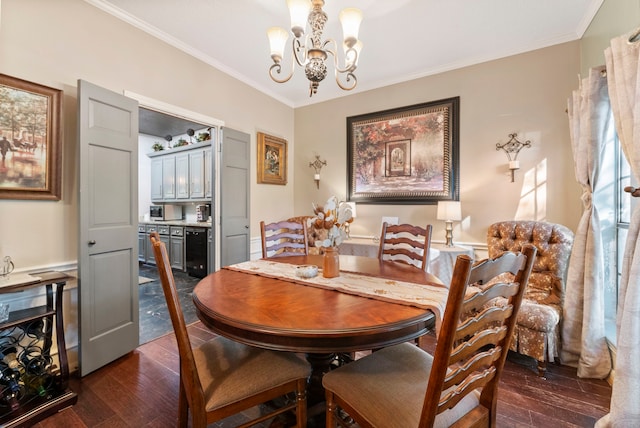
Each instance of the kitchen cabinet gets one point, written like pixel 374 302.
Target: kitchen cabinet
pixel 182 175
pixel 208 173
pixel 156 179
pixel 176 250
pixel 185 175
pixel 196 174
pixel 142 243
pixel 169 177
pixel 163 231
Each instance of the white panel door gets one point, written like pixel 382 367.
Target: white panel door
pixel 108 235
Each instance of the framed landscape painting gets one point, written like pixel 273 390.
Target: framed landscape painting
pixel 406 155
pixel 30 140
pixel 272 159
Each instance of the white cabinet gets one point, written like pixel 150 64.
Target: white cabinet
pixel 182 175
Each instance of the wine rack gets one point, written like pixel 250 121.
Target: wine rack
pixel 34 383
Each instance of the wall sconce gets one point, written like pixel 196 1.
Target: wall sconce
pixel 449 211
pixel 512 148
pixel 317 165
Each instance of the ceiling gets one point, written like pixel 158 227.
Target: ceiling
pixel 403 39
pixel 160 125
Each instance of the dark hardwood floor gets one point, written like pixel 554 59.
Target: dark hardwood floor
pixel 141 390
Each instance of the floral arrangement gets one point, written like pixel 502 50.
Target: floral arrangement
pixel 333 217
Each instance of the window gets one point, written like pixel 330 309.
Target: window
pixel 614 244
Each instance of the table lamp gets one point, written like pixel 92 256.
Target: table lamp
pixel 352 205
pixel 449 211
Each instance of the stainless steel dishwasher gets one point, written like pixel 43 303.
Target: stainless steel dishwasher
pixel 196 251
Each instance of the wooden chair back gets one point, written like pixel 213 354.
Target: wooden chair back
pixel 405 243
pixel 190 384
pixel 474 338
pixel 284 238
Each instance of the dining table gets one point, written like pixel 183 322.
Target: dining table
pixel 262 303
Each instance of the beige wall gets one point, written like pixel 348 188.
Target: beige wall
pixel 55 43
pixel 615 17
pixel 525 93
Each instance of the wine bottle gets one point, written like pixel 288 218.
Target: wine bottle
pixel 9 356
pixel 9 380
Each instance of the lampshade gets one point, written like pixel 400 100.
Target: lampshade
pixel 299 12
pixel 352 205
pixel 449 210
pixel 277 39
pixel 350 19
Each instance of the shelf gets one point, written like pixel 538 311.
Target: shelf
pixel 38 409
pixel 25 315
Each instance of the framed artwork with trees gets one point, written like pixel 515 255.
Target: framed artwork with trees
pixel 30 140
pixel 405 155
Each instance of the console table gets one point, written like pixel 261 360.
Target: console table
pixel 33 387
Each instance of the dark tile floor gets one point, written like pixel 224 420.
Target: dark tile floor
pixel 154 316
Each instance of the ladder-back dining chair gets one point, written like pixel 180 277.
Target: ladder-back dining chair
pixel 405 243
pixel 284 238
pixel 403 386
pixel 220 378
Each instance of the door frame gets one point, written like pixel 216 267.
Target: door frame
pixel 172 110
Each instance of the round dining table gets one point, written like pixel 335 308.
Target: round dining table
pixel 282 315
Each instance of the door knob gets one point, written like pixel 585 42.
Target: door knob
pixel 92 242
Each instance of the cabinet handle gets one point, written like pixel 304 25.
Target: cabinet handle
pixel 92 242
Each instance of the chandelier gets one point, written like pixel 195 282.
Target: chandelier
pixel 311 52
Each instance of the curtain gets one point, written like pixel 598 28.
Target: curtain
pixel 583 333
pixel 622 74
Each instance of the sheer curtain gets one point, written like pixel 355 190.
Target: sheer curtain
pixel 623 64
pixel 583 334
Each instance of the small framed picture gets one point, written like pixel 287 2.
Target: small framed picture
pixel 272 159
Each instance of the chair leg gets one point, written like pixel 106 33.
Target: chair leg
pixel 332 408
pixel 542 368
pixel 183 408
pixel 301 404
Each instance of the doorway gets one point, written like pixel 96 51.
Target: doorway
pixel 165 125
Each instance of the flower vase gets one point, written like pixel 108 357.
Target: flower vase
pixel 331 263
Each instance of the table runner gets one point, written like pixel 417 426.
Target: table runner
pixel 425 296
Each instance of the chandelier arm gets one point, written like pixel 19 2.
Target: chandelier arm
pixel 297 46
pixel 334 52
pixel 276 67
pixel 349 77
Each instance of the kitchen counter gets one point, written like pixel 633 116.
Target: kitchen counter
pixel 184 223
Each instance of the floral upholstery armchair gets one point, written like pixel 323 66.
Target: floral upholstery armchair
pixel 313 233
pixel 537 332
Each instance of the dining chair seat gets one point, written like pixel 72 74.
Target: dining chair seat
pixel 395 379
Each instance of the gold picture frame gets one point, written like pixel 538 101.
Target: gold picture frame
pixel 272 159
pixel 30 140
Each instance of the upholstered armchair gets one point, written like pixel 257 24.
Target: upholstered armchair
pixel 537 332
pixel 313 233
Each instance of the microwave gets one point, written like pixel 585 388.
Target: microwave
pixel 165 212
